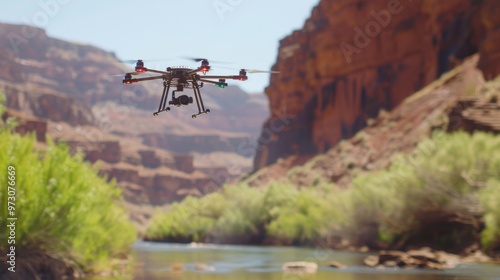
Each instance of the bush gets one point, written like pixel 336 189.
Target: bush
pixel 184 223
pixel 429 197
pixel 445 194
pixel 62 206
pixel 242 214
pixel 489 197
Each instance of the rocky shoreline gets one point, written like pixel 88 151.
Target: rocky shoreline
pixel 424 258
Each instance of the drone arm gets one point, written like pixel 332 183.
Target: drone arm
pixel 142 79
pixel 209 81
pixel 222 77
pixel 156 71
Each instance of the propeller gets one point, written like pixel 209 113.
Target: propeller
pixel 251 71
pixel 131 61
pixel 254 71
pixel 121 75
pixel 195 59
pixel 199 59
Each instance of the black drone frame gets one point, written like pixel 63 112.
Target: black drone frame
pixel 182 78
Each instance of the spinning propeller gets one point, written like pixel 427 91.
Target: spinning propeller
pixel 254 71
pixel 199 59
pixel 251 71
pixel 131 61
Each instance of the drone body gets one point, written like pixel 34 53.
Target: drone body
pixel 181 78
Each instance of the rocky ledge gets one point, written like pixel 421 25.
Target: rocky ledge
pixel 424 258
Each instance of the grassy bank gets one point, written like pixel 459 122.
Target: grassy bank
pixel 445 195
pixel 65 212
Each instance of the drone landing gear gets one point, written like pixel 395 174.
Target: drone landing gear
pixel 199 101
pixel 181 100
pixel 163 103
pixel 165 110
pixel 200 113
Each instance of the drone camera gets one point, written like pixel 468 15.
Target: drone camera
pixel 181 100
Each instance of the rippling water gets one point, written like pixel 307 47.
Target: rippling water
pixel 160 261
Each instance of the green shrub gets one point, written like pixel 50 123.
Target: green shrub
pixel 62 206
pixel 490 197
pixel 184 223
pixel 429 196
pixel 242 214
pixel 303 220
pixel 438 195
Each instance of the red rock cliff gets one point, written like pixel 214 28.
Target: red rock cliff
pixel 353 58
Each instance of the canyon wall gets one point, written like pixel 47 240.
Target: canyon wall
pixel 354 58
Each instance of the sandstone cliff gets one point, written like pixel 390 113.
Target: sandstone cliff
pixel 460 99
pixel 354 58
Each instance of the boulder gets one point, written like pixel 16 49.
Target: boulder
pixel 204 267
pixel 336 264
pixel 308 267
pixel 424 258
pixel 177 267
pixel 371 261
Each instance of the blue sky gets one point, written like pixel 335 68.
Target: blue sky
pixel 244 32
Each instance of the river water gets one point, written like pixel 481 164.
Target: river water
pixel 163 261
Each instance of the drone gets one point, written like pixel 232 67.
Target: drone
pixel 181 78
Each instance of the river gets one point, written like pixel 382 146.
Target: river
pixel 161 260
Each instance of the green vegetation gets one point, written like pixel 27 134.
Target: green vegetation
pixel 63 208
pixel 241 214
pixel 432 196
pixel 489 198
pixel 445 194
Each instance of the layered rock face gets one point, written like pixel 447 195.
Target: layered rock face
pixel 353 58
pixel 490 47
pixel 27 125
pixel 47 105
pixel 194 143
pixel 28 55
pixel 447 104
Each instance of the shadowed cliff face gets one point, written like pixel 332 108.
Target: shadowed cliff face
pixel 458 100
pixel 353 58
